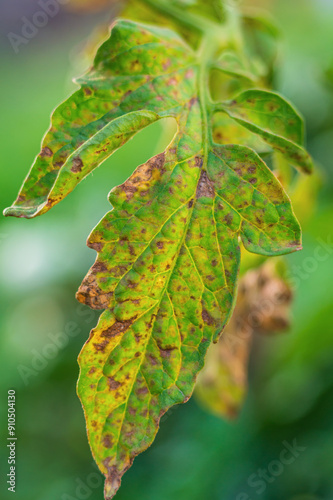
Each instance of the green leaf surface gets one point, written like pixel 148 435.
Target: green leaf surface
pixel 275 121
pixel 169 251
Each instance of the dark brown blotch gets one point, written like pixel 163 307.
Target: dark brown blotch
pixel 113 384
pixel 143 174
pixel 108 441
pixel 46 151
pixel 228 218
pixel 77 165
pixel 143 390
pixel 207 318
pixel 95 245
pixel 117 328
pixel 99 267
pixel 198 161
pixel 205 186
pixel 101 346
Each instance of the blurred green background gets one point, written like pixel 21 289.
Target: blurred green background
pixel 42 262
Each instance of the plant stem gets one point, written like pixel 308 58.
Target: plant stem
pixel 215 37
pixel 188 19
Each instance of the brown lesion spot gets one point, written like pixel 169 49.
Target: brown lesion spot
pixel 46 152
pixel 95 245
pixel 142 390
pixel 91 295
pixel 117 328
pixel 218 136
pixel 193 101
pixel 100 347
pixel 108 441
pixel 132 411
pixel 113 384
pixel 166 353
pixel 143 174
pixel 228 218
pixel 207 318
pixel 152 360
pixel 77 165
pixel 99 267
pixel 205 186
pixel 198 161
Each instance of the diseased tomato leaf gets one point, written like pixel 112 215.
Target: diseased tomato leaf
pixel 167 270
pixel 275 121
pixel 135 66
pixel 168 252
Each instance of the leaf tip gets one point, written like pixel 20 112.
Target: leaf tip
pixel 20 211
pixel 12 212
pixel 112 485
pixel 306 167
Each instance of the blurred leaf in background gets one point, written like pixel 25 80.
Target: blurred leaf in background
pixel 262 306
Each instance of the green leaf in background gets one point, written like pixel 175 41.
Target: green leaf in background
pixel 232 65
pixel 168 252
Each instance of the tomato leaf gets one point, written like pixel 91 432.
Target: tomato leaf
pixel 275 121
pixel 168 252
